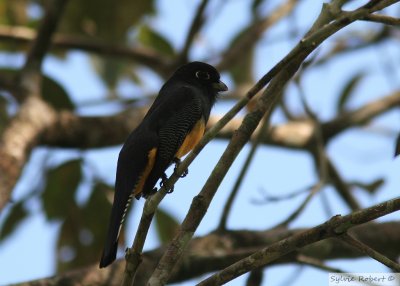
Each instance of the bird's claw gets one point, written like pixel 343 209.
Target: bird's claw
pixel 177 162
pixel 163 183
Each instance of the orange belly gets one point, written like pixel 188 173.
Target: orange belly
pixel 143 177
pixel 191 139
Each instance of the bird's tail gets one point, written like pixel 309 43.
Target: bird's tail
pixel 111 246
pixel 109 254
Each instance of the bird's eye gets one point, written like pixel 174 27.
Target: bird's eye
pixel 202 75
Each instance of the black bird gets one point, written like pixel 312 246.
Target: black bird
pixel 171 128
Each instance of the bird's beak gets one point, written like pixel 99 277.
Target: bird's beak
pixel 219 86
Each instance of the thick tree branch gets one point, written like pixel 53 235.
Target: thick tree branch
pixel 73 131
pixel 34 115
pixel 150 58
pixel 83 132
pixel 18 139
pixel 219 250
pixel 335 227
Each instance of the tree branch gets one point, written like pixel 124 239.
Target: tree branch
pixel 266 103
pixel 196 25
pixel 336 226
pixel 254 33
pixel 370 252
pixel 29 78
pixel 383 19
pixel 21 134
pixel 143 56
pixel 216 251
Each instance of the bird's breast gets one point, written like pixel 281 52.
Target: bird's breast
pixel 191 139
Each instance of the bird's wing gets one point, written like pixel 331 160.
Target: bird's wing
pixel 135 162
pixel 180 125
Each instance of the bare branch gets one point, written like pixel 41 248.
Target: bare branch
pixel 21 134
pixel 216 251
pixel 370 252
pixel 336 226
pixel 383 19
pixel 266 103
pixel 196 25
pixel 254 33
pixel 29 77
pixel 143 56
pixel 18 139
pixel 228 205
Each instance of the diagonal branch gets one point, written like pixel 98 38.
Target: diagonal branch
pixel 266 103
pixel 228 205
pixel 383 19
pixel 196 25
pixel 28 80
pixel 363 248
pixel 254 33
pixel 215 251
pixel 336 226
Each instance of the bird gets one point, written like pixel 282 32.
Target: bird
pixel 171 128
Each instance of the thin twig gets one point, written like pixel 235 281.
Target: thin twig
pixel 228 205
pixel 341 186
pixel 254 33
pixel 269 198
pixel 196 25
pixel 383 19
pixel 320 158
pixel 29 76
pixel 311 261
pixel 363 248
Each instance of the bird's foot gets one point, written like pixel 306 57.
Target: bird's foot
pixel 177 162
pixel 163 183
pixel 148 194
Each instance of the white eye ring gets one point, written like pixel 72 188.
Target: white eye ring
pixel 202 75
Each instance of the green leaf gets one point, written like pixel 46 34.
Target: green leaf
pixel 166 225
pixel 59 192
pixel 105 19
pixel 348 90
pixel 96 221
pixel 52 91
pixel 14 218
pixel 242 71
pixel 55 94
pixel 83 232
pixel 152 39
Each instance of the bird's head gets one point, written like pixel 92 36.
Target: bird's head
pixel 201 74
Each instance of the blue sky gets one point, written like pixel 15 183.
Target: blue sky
pixel 357 154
